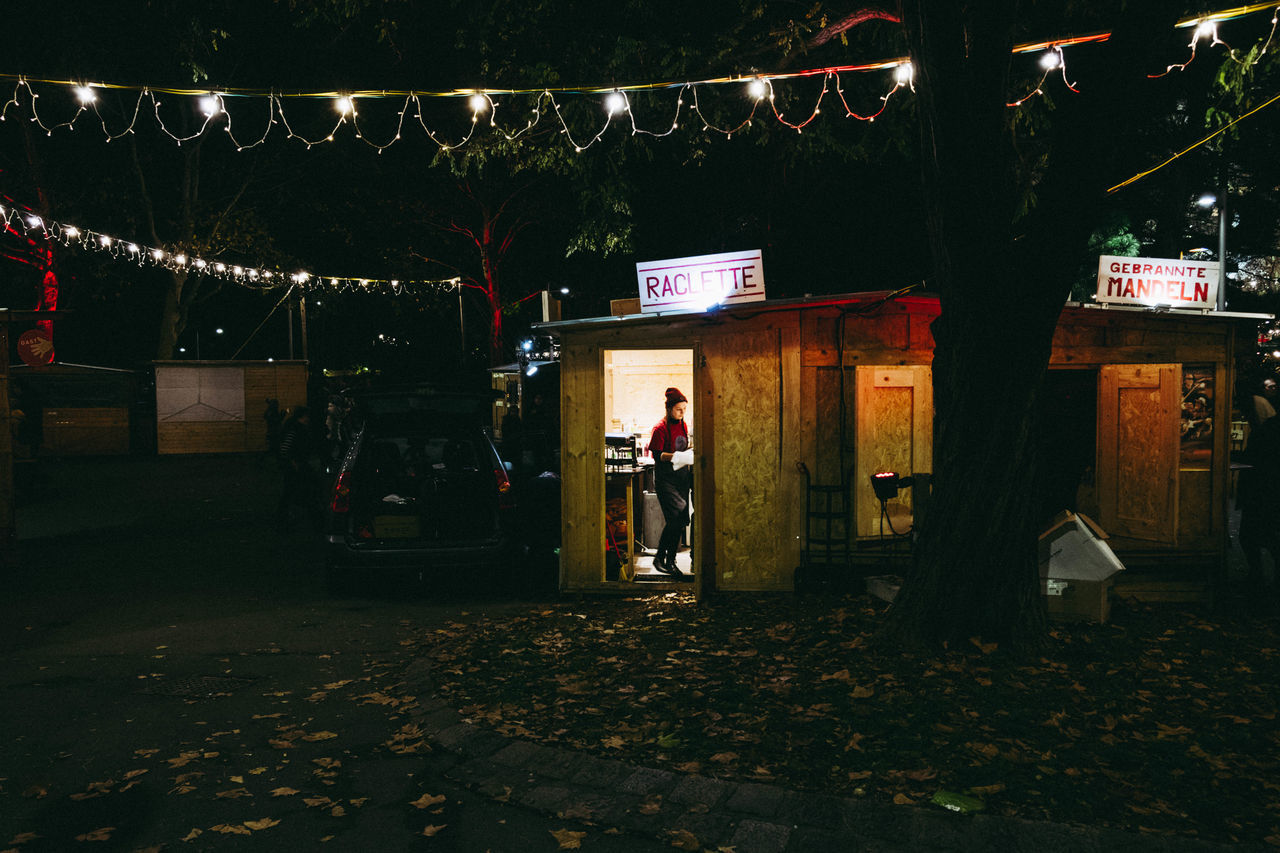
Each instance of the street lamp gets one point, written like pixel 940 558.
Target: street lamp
pixel 1206 201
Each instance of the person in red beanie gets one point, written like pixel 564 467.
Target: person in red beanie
pixel 671 447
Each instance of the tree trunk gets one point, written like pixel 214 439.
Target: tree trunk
pixel 975 571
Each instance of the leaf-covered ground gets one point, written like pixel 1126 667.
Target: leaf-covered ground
pixel 1163 721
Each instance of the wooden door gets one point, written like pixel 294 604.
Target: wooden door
pixel 1138 414
pixel 893 432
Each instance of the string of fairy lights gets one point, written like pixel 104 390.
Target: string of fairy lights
pixel 618 103
pixel 30 225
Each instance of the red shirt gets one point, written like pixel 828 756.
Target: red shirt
pixel 666 438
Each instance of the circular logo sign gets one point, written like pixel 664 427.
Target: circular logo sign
pixel 35 347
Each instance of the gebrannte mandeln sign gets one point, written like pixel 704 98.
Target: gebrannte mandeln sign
pixel 1158 281
pixel 700 282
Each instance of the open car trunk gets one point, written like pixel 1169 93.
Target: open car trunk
pixel 421 488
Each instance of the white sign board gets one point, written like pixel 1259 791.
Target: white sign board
pixel 1157 281
pixel 701 282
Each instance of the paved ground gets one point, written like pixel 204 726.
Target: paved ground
pixel 174 677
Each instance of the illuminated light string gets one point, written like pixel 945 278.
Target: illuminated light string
pixel 617 100
pixel 258 277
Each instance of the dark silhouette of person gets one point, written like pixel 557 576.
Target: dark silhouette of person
pixel 1259 496
pixel 300 488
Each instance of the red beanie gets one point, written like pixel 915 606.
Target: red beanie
pixel 674 396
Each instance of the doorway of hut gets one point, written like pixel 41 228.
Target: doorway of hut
pixel 1068 443
pixel 635 386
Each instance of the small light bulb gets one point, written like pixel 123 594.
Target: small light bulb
pixel 1051 59
pixel 104 240
pixel 758 88
pixel 903 74
pixel 133 248
pixel 34 221
pixel 346 105
pixel 210 105
pixel 180 259
pixel 615 103
pixel 238 270
pixel 220 267
pixel 157 254
pixel 479 103
pixel 200 263
pixel 85 95
pixel 71 231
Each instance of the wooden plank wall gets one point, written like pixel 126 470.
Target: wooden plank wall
pixel 86 431
pixel 283 381
pixel 286 383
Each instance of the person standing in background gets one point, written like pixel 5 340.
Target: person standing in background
pixel 671 447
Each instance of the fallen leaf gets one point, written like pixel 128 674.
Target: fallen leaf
pixel 327 762
pixel 35 792
pixel 855 741
pixel 428 800
pixel 338 811
pixel 568 839
pixel 725 757
pixel 234 793
pixel 24 837
pixel 317 736
pixel 430 830
pixel 264 823
pixel 285 792
pixel 842 675
pixel 985 648
pixel 857 775
pixel 862 692
pixel 358 801
pixel 336 684
pixel 614 742
pixel 133 774
pixel 317 801
pixel 257 771
pixel 683 839
pixel 103 834
pixel 193 835
pixel 230 829
pixel 274 716
pixel 652 804
pixel 987 790
pixel 902 800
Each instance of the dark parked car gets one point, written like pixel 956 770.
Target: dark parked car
pixel 420 489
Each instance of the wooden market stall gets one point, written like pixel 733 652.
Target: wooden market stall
pixel 82 410
pixel 1139 400
pixel 218 406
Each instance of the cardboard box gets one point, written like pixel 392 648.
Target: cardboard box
pixel 1077 568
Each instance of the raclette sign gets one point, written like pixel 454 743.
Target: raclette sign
pixel 700 283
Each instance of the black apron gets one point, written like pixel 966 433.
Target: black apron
pixel 673 486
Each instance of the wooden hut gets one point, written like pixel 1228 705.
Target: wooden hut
pixel 218 406
pixel 83 410
pixel 1139 402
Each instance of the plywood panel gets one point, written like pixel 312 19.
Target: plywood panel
pixel 747 463
pixel 582 466
pixel 894 432
pixel 1138 413
pixel 1195 509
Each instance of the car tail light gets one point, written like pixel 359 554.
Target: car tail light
pixel 341 494
pixel 505 499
